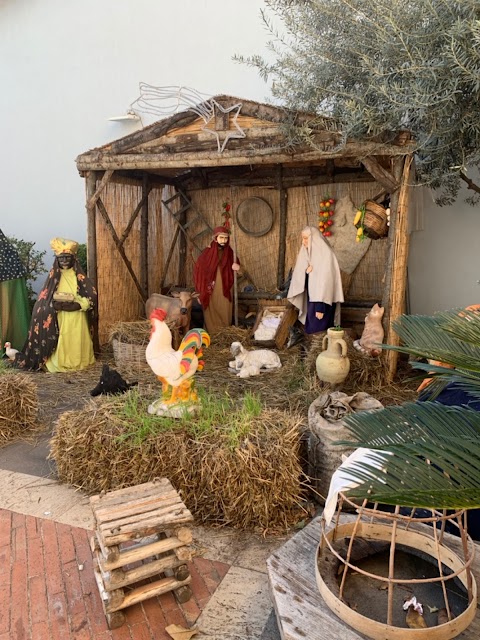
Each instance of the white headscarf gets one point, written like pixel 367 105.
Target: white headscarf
pixel 324 282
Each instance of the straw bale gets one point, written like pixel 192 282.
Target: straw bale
pixel 253 485
pixel 18 407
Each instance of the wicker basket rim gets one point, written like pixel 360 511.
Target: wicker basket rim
pixel 374 207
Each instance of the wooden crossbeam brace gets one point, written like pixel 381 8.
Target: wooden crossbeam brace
pixel 134 215
pixel 121 250
pixel 381 175
pixel 103 183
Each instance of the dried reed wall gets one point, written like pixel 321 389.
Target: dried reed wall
pixel 260 255
pixel 119 299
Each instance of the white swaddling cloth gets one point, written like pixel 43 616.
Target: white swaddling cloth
pixel 343 480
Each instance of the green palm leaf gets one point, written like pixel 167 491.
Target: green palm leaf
pixel 442 337
pixel 429 452
pixel 451 337
pixel 462 324
pixel 435 461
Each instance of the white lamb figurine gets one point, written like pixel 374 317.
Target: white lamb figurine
pixel 250 363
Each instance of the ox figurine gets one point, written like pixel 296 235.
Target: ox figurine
pixel 111 382
pixel 178 308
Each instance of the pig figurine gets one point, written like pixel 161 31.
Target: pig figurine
pixel 373 332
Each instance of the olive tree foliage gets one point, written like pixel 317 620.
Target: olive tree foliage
pixel 384 65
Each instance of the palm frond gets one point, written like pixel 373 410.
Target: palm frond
pixel 449 337
pixel 465 380
pixel 462 324
pixel 430 455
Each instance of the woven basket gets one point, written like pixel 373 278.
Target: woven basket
pixel 129 358
pixel 375 220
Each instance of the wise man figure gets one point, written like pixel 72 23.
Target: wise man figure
pixel 60 337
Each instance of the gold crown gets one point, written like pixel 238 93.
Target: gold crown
pixel 62 245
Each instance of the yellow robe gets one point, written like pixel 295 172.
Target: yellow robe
pixel 74 348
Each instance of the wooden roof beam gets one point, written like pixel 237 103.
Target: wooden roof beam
pixel 97 161
pixel 381 175
pixel 265 177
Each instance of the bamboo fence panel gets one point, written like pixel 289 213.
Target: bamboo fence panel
pixel 259 255
pixel 118 298
pixel 368 279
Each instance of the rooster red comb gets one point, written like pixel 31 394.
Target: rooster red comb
pixel 158 314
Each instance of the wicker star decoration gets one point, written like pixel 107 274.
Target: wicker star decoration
pixel 237 132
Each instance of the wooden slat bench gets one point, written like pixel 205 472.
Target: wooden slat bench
pixel 140 533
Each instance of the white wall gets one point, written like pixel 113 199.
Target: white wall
pixel 444 261
pixel 67 66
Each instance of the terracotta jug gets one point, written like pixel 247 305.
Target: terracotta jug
pixel 332 363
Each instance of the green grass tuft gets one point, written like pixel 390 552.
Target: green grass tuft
pixel 224 414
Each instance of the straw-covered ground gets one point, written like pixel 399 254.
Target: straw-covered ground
pixel 237 463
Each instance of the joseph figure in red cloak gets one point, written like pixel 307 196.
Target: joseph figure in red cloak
pixel 213 276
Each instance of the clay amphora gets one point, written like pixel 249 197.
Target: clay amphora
pixel 332 363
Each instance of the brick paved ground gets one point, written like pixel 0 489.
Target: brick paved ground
pixel 45 596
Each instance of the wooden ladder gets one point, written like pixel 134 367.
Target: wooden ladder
pixel 185 205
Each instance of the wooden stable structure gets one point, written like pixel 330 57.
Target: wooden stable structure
pixel 140 533
pixel 153 196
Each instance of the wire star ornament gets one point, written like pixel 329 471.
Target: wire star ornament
pixel 165 101
pixel 227 135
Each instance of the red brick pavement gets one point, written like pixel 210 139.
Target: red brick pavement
pixel 45 596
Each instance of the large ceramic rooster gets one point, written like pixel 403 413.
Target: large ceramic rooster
pixel 175 369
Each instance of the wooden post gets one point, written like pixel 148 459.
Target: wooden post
pixel 182 249
pixel 235 274
pixel 90 187
pixel 144 235
pixel 282 236
pixel 396 277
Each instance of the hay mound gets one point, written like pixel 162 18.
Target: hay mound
pixel 18 407
pixel 254 483
pixel 366 374
pixel 137 332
